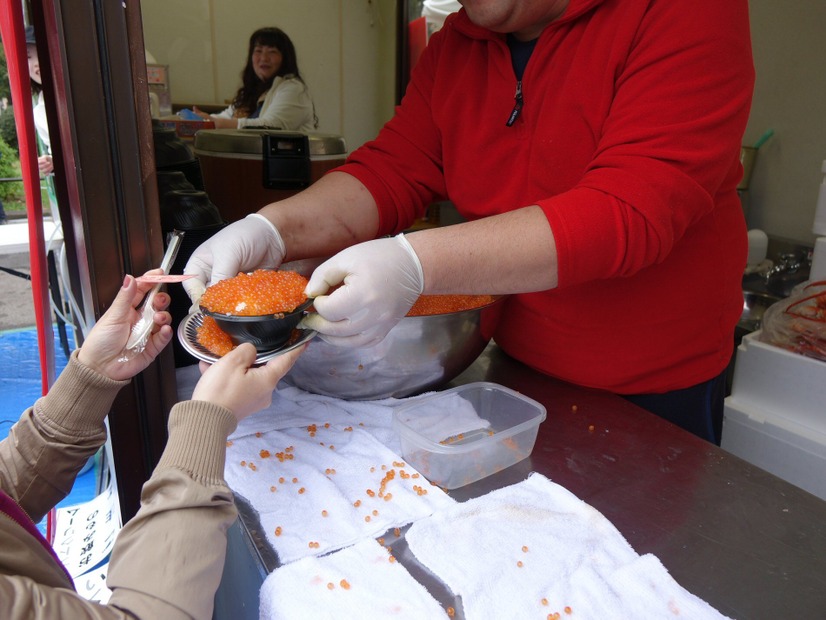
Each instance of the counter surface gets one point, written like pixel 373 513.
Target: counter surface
pixel 747 542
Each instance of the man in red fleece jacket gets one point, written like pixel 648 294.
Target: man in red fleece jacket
pixel 593 146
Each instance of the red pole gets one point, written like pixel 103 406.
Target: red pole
pixel 14 43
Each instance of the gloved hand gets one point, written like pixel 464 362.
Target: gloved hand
pixel 251 243
pixel 382 279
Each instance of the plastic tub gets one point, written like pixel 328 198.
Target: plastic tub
pixel 467 433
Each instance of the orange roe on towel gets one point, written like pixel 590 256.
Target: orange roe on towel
pixel 261 292
pixel 443 304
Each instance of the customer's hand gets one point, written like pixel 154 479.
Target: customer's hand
pixel 45 164
pixel 235 384
pixel 250 243
pixel 103 348
pixel 382 280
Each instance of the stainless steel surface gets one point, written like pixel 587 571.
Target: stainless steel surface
pixel 747 542
pixel 418 354
pixel 188 337
pixel 239 142
pixel 754 306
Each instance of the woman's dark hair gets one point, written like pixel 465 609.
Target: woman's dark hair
pixel 246 99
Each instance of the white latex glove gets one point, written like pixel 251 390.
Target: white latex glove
pixel 382 280
pixel 245 245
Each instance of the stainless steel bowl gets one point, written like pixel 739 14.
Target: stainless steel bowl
pixel 419 354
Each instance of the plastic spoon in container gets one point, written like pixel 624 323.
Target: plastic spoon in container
pixel 143 327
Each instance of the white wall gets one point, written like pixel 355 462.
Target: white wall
pixel 789 41
pixel 346 53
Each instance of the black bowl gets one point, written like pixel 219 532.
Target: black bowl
pixel 266 332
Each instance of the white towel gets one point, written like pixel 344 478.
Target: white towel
pixel 320 488
pixel 534 549
pixel 293 407
pixel 354 583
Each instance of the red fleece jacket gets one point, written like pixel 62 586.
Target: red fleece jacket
pixel 629 140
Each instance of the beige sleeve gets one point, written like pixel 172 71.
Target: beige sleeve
pixel 53 439
pixel 168 560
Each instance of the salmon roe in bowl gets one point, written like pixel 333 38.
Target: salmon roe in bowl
pixel 262 292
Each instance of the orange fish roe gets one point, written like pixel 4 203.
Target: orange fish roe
pixel 345 584
pixel 567 610
pixel 278 531
pixel 444 304
pixel 264 454
pixel 451 612
pixel 387 478
pixel 213 338
pixel 261 292
pixel 331 586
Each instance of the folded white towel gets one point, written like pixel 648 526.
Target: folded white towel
pixel 293 407
pixel 324 486
pixel 354 583
pixel 534 549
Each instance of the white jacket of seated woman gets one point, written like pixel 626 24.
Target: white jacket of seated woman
pixel 286 105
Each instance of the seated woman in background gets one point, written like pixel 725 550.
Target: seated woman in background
pixel 272 93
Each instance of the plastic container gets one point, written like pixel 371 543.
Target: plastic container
pixel 775 417
pixel 795 453
pixel 467 433
pixel 787 385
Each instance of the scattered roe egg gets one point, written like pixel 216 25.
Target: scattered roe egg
pixel 263 291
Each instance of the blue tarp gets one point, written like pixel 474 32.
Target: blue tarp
pixel 20 386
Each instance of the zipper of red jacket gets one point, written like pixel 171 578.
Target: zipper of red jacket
pixel 517 106
pixel 15 512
